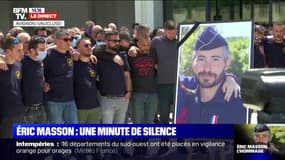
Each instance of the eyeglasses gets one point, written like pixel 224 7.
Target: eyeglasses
pixel 40 39
pixel 67 39
pixel 87 45
pixel 257 38
pixel 115 40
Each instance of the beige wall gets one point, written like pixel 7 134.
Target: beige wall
pixel 74 13
pixel 121 12
pixel 4 16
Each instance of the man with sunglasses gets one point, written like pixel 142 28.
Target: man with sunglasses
pixel 12 107
pixel 58 71
pixel 85 89
pixel 115 82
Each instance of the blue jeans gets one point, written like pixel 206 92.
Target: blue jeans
pixel 145 106
pixel 62 112
pixel 113 109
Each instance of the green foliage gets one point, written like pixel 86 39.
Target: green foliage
pixel 187 50
pixel 240 51
pixel 278 137
pixel 239 47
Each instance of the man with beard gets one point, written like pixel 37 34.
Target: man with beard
pixel 115 82
pixel 206 103
pixel 262 135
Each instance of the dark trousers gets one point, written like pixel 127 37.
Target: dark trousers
pixel 35 114
pixel 6 125
pixel 166 93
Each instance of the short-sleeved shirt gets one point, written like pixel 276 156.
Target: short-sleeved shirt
pixel 166 53
pixel 85 89
pixel 58 70
pixel 143 73
pixel 112 76
pixel 275 54
pixel 10 95
pixel 190 109
pixel 32 81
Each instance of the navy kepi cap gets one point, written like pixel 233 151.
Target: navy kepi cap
pixel 210 39
pixel 261 128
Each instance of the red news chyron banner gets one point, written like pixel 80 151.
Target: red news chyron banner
pixel 44 16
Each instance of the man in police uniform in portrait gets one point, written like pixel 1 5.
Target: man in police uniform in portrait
pixel 201 97
pixel 262 135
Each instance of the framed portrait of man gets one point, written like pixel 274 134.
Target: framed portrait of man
pixel 209 54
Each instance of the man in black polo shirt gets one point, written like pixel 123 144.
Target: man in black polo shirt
pixel 85 89
pixel 115 82
pixel 11 106
pixel 164 48
pixel 274 49
pixel 58 71
pixel 33 81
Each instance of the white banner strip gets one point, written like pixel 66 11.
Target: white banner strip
pixel 59 23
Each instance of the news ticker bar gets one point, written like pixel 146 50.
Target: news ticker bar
pixel 122 131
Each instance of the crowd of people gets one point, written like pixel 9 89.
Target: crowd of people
pixel 101 74
pixel 269 46
pixel 87 75
pixel 50 74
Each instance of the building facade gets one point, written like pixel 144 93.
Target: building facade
pixel 261 11
pixel 150 12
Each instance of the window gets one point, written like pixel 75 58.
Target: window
pixel 262 11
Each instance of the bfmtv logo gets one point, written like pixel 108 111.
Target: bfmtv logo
pixel 36 17
pixel 21 13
